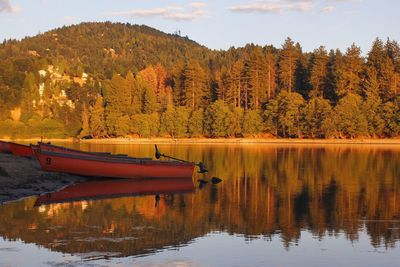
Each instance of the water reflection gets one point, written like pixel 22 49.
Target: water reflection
pixel 114 188
pixel 267 192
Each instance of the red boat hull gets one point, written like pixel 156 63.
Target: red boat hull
pixel 64 150
pixel 60 149
pixel 116 188
pixel 4 147
pixel 21 150
pixel 113 167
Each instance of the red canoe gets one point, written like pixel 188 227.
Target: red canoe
pixel 116 188
pixel 113 167
pixel 4 147
pixel 64 150
pixel 21 150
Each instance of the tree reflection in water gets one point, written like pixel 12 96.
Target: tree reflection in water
pixel 267 191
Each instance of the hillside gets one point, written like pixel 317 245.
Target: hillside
pixel 113 79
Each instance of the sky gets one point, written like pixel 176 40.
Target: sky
pixel 220 24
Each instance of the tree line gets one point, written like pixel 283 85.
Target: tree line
pixel 241 92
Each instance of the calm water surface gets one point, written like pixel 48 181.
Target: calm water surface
pixel 277 206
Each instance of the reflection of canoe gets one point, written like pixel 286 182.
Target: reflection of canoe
pixel 4 147
pixel 21 150
pixel 116 188
pixel 113 167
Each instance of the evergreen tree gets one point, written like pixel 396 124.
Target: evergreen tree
pixel 235 84
pixel 194 91
pixel 372 103
pixel 117 108
pixel 271 118
pixel 97 126
pixel 290 107
pixel 216 119
pixel 315 112
pixel 150 104
pixel 195 123
pixel 349 76
pixel 270 64
pixel 167 121
pixel 252 123
pixel 255 73
pixel 319 72
pixel 287 65
pixel 85 122
pixel 390 113
pixel 349 118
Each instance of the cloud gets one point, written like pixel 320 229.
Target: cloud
pixel 198 4
pixel 273 6
pixel 6 7
pixel 178 13
pixel 328 9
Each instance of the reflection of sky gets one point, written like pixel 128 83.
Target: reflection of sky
pixel 222 249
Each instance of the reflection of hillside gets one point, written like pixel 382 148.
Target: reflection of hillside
pixel 266 191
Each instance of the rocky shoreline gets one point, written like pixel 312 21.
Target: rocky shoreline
pixel 22 177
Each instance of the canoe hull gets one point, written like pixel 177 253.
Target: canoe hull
pixel 60 149
pixel 21 150
pixel 4 147
pixel 69 151
pixel 113 168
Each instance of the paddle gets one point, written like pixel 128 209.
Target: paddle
pixel 202 167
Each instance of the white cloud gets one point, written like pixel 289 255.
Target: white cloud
pixel 6 7
pixel 198 4
pixel 273 6
pixel 178 13
pixel 328 9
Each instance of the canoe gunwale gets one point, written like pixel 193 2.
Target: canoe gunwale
pixel 117 160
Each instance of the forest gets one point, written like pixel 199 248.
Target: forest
pixel 102 80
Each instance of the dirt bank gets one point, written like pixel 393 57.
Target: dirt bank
pixel 22 177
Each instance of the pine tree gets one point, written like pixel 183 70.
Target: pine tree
pixel 252 123
pixel 216 119
pixel 195 123
pixel 372 103
pixel 194 85
pixel 167 121
pixel 270 64
pixel 349 77
pixel 290 107
pixel 97 126
pixel 85 122
pixel 118 103
pixel 349 118
pixel 256 76
pixel 271 119
pixel 315 112
pixel 235 81
pixel 319 72
pixel 287 65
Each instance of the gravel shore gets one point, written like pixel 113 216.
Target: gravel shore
pixel 22 177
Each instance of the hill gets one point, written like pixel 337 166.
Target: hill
pixel 112 79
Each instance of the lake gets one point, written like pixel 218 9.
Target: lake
pixel 278 205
